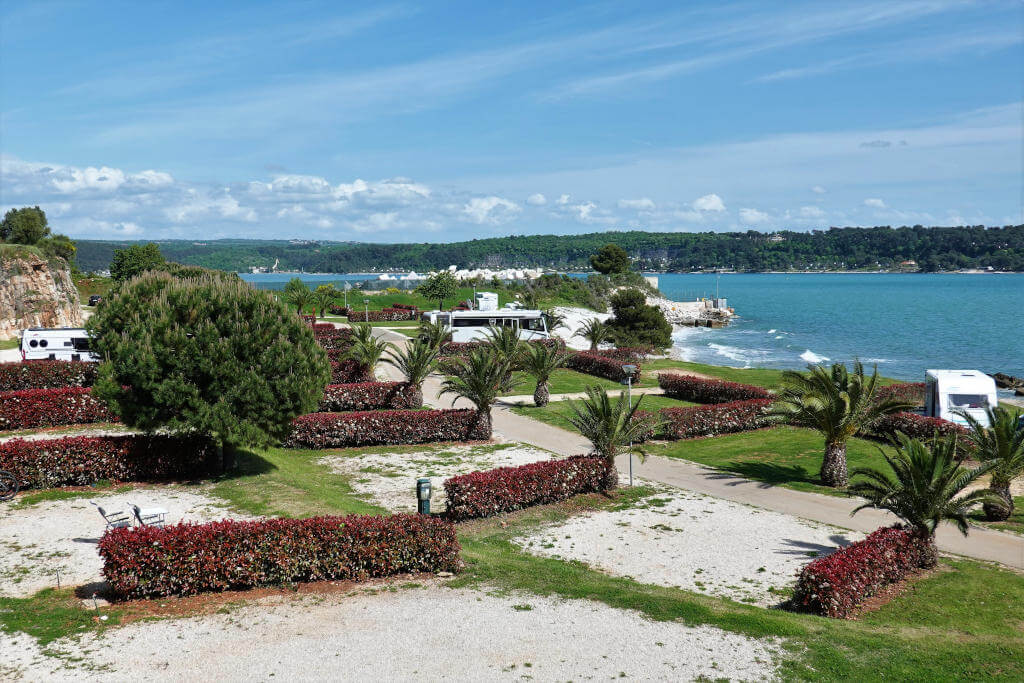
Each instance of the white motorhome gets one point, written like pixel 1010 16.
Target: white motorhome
pixel 949 391
pixel 469 326
pixel 60 343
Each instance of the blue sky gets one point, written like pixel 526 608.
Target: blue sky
pixel 455 120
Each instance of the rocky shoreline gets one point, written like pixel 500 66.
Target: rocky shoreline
pixel 692 313
pixel 1004 381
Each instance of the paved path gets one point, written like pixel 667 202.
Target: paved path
pixel 527 399
pixel 983 544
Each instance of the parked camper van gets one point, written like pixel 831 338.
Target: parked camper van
pixel 949 391
pixel 61 343
pixel 469 326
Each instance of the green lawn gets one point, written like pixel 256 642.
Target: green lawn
pixel 6 344
pixel 557 412
pixel 789 456
pixel 1015 523
pixel 563 381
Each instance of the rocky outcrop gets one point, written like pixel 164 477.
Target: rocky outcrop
pixel 36 293
pixel 692 313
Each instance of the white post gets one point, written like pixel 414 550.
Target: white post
pixel 629 399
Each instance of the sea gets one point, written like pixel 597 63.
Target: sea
pixel 903 323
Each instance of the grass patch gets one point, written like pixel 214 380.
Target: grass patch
pixel 563 381
pixel 51 614
pixel 36 497
pixel 557 413
pixel 7 344
pixel 1014 524
pixel 92 284
pixel 788 456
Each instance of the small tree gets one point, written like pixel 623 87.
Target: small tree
pixel 611 427
pixel 923 487
pixel 27 225
pixel 506 345
pixel 206 355
pixel 440 286
pixel 1001 443
pixel 610 259
pixel 367 350
pixel 634 323
pixel 135 260
pixel 435 335
pixel 539 361
pixel 415 361
pixel 595 332
pixel 298 294
pixel 324 297
pixel 554 320
pixel 479 378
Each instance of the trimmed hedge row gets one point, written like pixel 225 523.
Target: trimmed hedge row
pixel 701 390
pixel 51 408
pixel 46 374
pixel 334 338
pixel 188 559
pixel 718 418
pixel 600 365
pixel 366 396
pixel 834 585
pixel 912 392
pixel 347 371
pixel 383 427
pixel 483 494
pixel 916 426
pixel 338 310
pixel 463 349
pixel 84 460
pixel 626 354
pixel 384 315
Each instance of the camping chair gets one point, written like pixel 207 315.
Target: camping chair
pixel 151 517
pixel 115 519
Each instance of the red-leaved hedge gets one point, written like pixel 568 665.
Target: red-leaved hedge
pixel 338 310
pixel 366 396
pixel 46 374
pixel 188 559
pixel 483 494
pixel 383 427
pixel 51 408
pixel 347 371
pixel 84 460
pixel 384 315
pixel 701 390
pixel 916 426
pixel 626 354
pixel 834 585
pixel 717 418
pixel 912 392
pixel 334 338
pixel 599 365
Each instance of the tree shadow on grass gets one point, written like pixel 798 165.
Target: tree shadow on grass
pixel 770 474
pixel 247 464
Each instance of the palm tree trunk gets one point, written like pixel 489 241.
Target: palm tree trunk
pixel 481 429
pixel 611 477
pixel 999 513
pixel 930 552
pixel 833 467
pixel 541 395
pixel 414 396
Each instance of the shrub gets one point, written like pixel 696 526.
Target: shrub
pixel 84 460
pixel 334 338
pixel 187 559
pixel 636 323
pixel 463 349
pixel 833 586
pixel 338 310
pixel 626 354
pixel 483 494
pixel 347 371
pixel 701 390
pixel 383 427
pixel 366 396
pixel 717 418
pixel 309 319
pixel 917 427
pixel 322 327
pixel 385 315
pixel 46 374
pixel 912 392
pixel 599 365
pixel 51 408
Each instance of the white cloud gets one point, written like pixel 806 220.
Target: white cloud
pixel 811 212
pixel 818 189
pixel 643 204
pixel 537 199
pixel 490 210
pixel 753 217
pixel 709 202
pixel 874 203
pixel 72 180
pixel 562 200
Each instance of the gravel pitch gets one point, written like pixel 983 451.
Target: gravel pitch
pixel 402 635
pixel 696 542
pixel 389 479
pixel 38 539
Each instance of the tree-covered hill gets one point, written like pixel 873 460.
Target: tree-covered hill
pixel 838 248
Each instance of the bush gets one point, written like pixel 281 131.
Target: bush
pixel 912 392
pixel 84 460
pixel 336 338
pixel 916 427
pixel 717 418
pixel 383 427
pixel 483 494
pixel 701 390
pixel 51 408
pixel 599 365
pixel 635 323
pixel 322 327
pixel 46 374
pixel 187 559
pixel 338 310
pixel 347 371
pixel 833 586
pixel 385 315
pixel 626 354
pixel 366 396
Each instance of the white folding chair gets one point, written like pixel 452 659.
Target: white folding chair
pixel 152 517
pixel 115 519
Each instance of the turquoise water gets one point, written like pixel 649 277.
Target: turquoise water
pixel 904 323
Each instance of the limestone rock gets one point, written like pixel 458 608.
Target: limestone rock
pixel 36 293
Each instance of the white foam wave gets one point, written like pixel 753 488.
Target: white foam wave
pixel 778 336
pixel 772 331
pixel 812 357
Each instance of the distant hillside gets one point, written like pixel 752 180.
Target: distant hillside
pixel 838 248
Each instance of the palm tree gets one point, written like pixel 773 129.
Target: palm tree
pixel 480 378
pixel 300 297
pixel 837 403
pixel 434 334
pixel 324 296
pixel 415 361
pixel 611 427
pixel 366 349
pixel 923 488
pixel 507 346
pixel 554 320
pixel 594 331
pixel 1002 443
pixel 539 361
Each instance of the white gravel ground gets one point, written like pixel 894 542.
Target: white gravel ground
pixel 389 479
pixel 696 542
pixel 574 320
pixel 37 540
pixel 410 634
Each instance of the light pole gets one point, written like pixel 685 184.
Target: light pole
pixel 366 310
pixel 630 370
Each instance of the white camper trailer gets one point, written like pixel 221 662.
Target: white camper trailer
pixel 60 343
pixel 950 391
pixel 467 326
pixel 486 301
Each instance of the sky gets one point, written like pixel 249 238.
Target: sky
pixel 436 122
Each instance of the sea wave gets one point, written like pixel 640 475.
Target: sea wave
pixel 812 357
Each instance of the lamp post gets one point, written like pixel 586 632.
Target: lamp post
pixel 366 310
pixel 423 496
pixel 630 370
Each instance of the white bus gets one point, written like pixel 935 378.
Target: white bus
pixel 60 343
pixel 469 326
pixel 949 391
